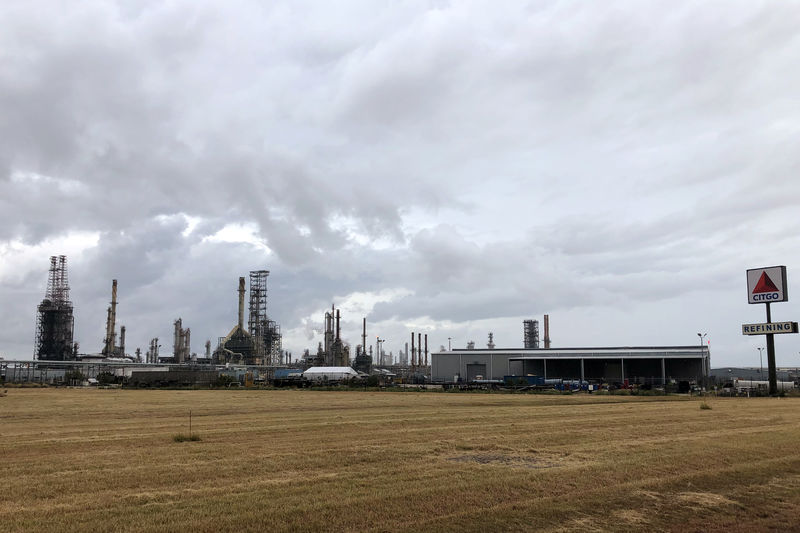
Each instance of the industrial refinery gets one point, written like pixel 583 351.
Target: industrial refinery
pixel 252 352
pixel 260 343
pixel 251 348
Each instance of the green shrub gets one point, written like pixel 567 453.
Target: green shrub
pixel 224 380
pixel 74 375
pixel 106 378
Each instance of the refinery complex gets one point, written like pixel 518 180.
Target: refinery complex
pixel 252 352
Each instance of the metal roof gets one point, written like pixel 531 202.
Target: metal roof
pixel 595 352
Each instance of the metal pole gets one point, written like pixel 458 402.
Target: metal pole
pixel 703 359
pixel 773 376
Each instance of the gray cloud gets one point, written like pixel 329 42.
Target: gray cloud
pixel 458 166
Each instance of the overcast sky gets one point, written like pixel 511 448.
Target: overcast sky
pixel 447 168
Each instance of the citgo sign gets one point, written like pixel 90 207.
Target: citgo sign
pixel 766 285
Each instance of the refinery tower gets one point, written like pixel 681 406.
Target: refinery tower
pixel 54 321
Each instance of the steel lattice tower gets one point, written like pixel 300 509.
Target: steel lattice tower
pixel 531 334
pixel 258 311
pixel 266 333
pixel 54 320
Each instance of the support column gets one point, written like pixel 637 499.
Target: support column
pixel 622 368
pixel 544 361
pixel 582 374
pixel 663 373
pixel 773 375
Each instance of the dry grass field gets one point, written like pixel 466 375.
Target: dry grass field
pixel 105 460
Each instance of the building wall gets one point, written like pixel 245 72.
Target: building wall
pixel 679 363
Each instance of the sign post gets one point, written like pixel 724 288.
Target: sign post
pixel 767 285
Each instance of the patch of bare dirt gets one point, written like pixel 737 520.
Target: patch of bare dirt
pixel 512 460
pixel 704 499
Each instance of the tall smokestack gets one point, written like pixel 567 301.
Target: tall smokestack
pixel 241 303
pixel 208 349
pixel 547 331
pixel 412 350
pixel 177 353
pixel 106 347
pixel 122 340
pixel 426 349
pixel 111 325
pixel 364 335
pixel 338 329
pixel 419 349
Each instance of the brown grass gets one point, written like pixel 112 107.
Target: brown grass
pixel 104 460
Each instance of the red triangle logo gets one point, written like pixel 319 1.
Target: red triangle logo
pixel 765 284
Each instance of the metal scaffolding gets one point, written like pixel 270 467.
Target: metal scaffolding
pixel 266 333
pixel 258 310
pixel 54 320
pixel 531 334
pixel 273 342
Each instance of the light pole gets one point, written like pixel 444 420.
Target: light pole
pixel 705 366
pixel 448 344
pixel 761 359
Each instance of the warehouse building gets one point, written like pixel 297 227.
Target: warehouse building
pixel 650 365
